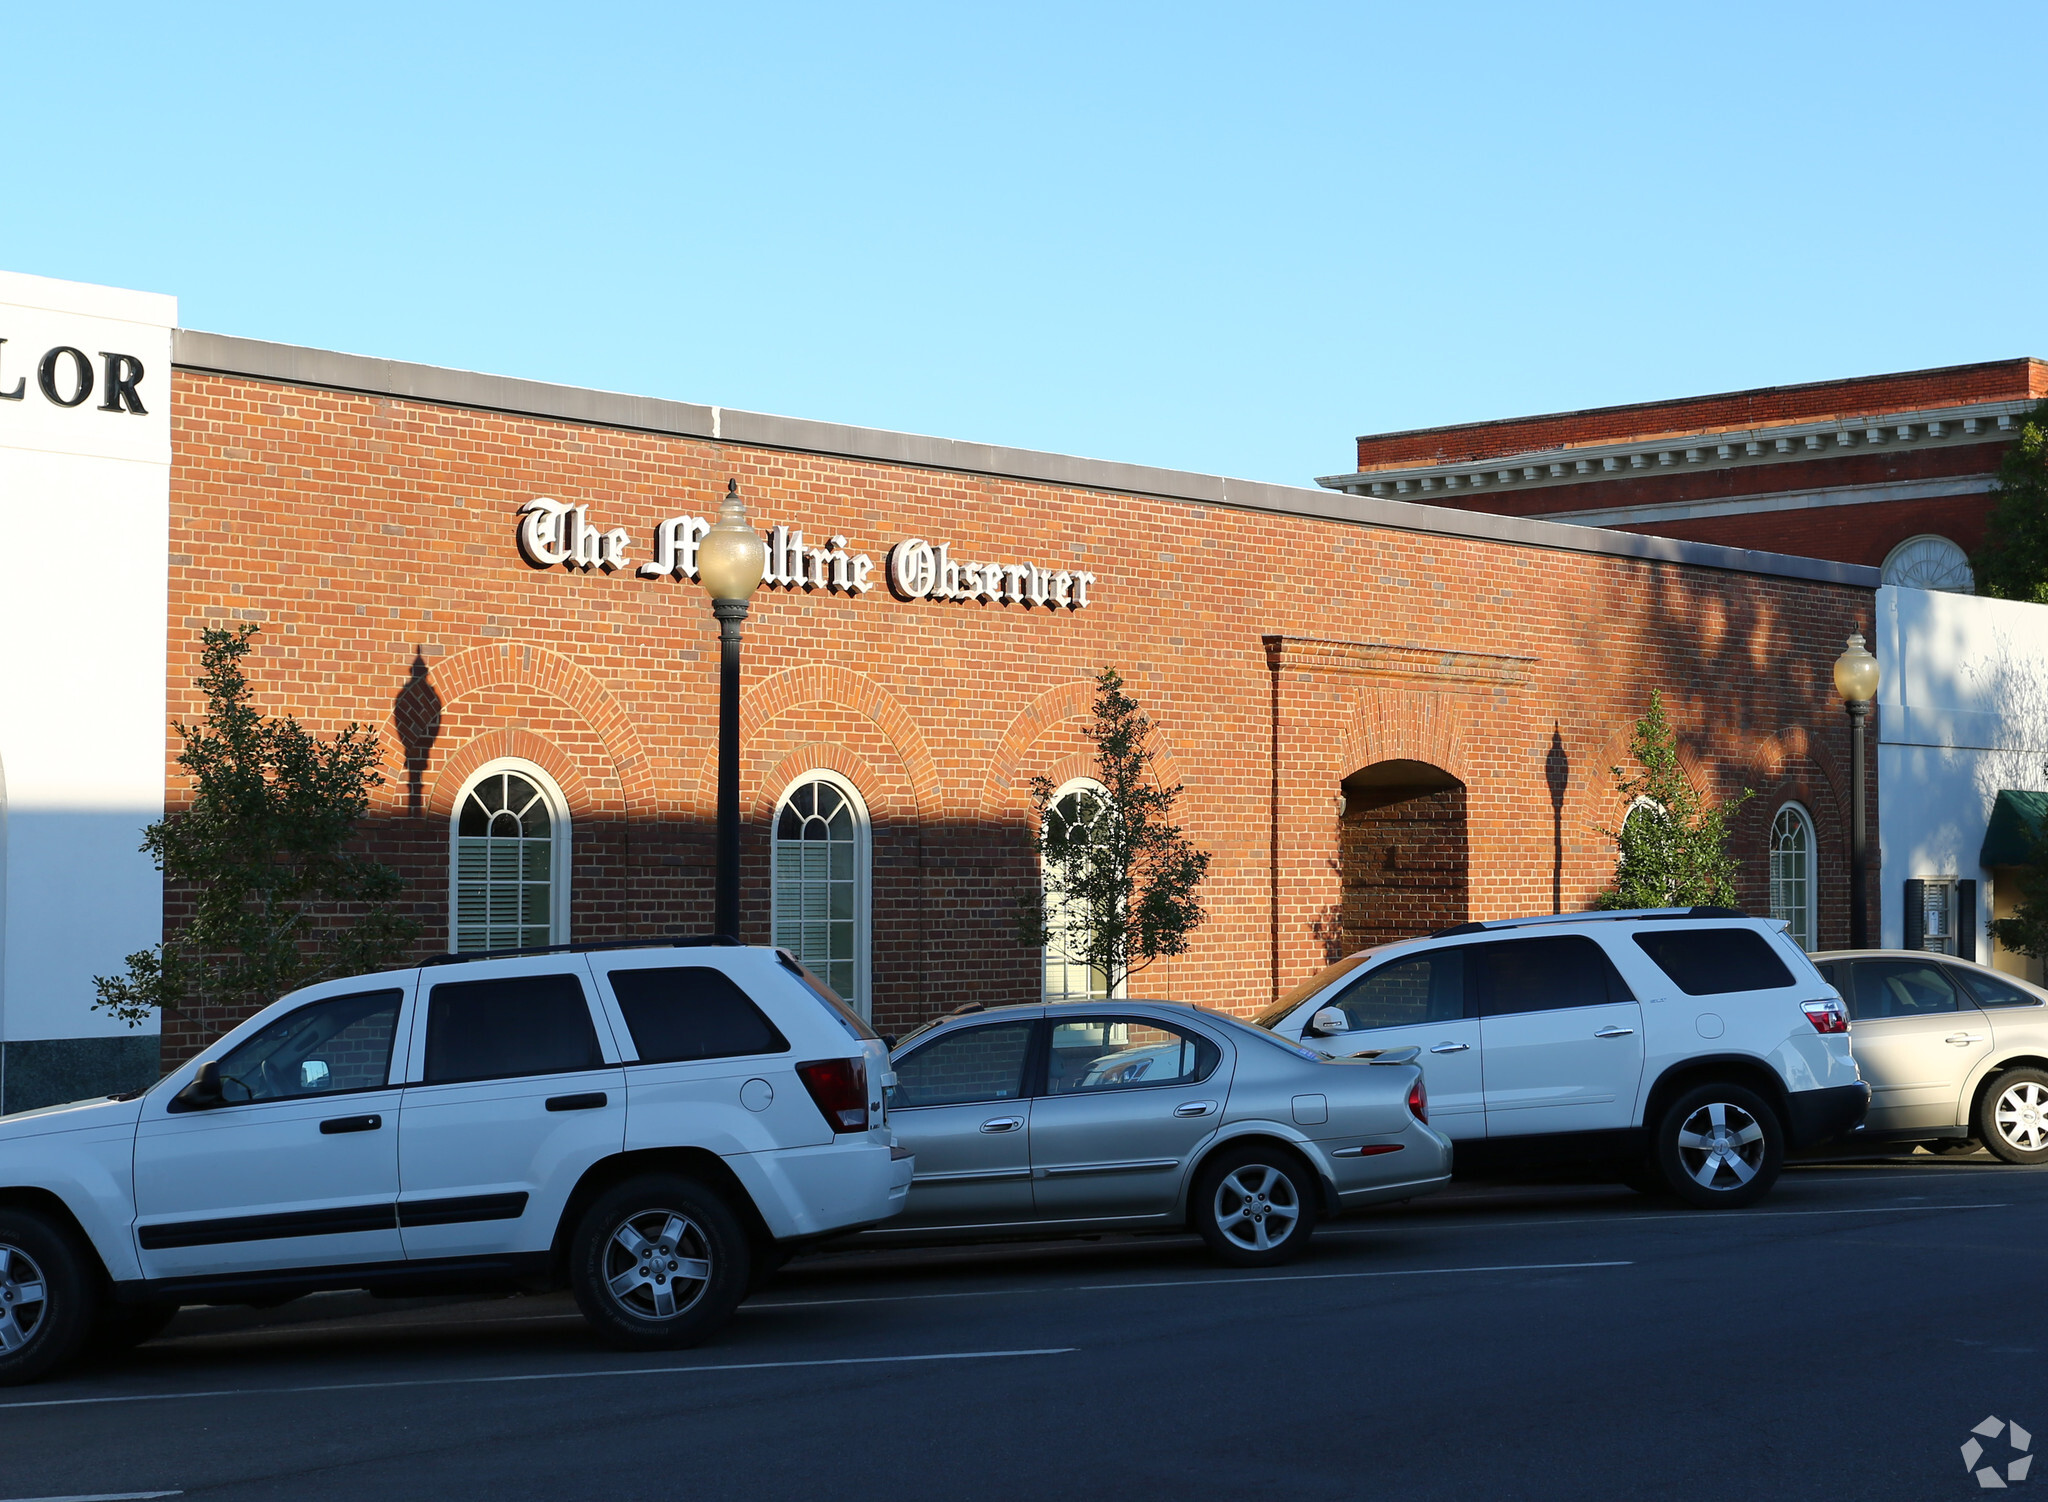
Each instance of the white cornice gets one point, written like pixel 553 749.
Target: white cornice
pixel 1941 427
pixel 1777 500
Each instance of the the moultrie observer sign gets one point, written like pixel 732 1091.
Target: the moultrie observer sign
pixel 557 534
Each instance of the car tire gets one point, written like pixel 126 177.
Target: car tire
pixel 1255 1205
pixel 2012 1116
pixel 1719 1147
pixel 659 1263
pixel 49 1296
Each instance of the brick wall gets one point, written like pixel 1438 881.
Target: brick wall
pixel 372 538
pixel 1817 401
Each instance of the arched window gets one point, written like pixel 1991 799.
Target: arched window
pixel 1067 978
pixel 1793 887
pixel 508 885
pixel 819 902
pixel 1930 561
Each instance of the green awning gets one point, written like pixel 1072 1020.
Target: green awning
pixel 2017 820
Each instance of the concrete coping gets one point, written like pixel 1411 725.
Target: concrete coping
pixel 295 365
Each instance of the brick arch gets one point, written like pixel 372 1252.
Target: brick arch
pixel 457 768
pixel 1394 726
pixel 828 683
pixel 1073 700
pixel 511 664
pixel 823 756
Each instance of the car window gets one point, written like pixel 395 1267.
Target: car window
pixel 1301 991
pixel 976 1063
pixel 1118 1053
pixel 1899 988
pixel 323 1048
pixel 1715 961
pixel 509 1026
pixel 1992 992
pixel 1541 975
pixel 1428 988
pixel 681 1012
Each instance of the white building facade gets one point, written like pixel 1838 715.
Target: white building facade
pixel 1962 720
pixel 85 457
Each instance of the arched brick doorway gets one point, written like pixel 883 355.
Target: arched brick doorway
pixel 1402 852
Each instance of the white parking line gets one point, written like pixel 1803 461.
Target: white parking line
pixel 629 1371
pixel 1704 1218
pixel 1225 1282
pixel 97 1497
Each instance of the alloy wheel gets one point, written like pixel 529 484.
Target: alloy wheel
pixel 2022 1116
pixel 1721 1146
pixel 22 1300
pixel 657 1264
pixel 1257 1207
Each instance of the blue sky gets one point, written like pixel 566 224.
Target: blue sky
pixel 1214 238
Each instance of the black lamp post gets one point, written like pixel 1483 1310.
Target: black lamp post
pixel 1856 675
pixel 730 562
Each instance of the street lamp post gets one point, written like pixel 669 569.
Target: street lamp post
pixel 1856 675
pixel 730 562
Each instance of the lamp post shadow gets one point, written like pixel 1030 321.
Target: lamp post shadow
pixel 417 713
pixel 1557 771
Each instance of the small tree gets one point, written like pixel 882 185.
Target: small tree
pixel 261 851
pixel 1672 845
pixel 2013 563
pixel 1119 876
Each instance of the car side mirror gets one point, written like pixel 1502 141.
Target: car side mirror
pixel 1329 1022
pixel 204 1092
pixel 313 1075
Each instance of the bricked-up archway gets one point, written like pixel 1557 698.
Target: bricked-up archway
pixel 1402 852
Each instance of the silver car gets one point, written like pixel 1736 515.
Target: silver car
pixel 1146 1115
pixel 1952 1050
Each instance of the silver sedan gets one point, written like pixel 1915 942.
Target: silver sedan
pixel 1952 1050
pixel 1147 1115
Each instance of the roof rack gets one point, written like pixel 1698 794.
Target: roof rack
pixel 683 941
pixel 1496 925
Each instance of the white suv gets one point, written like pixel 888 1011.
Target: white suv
pixel 654 1126
pixel 1688 1046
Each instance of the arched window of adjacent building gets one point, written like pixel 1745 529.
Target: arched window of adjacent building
pixel 1930 562
pixel 1793 883
pixel 508 884
pixel 819 901
pixel 1076 805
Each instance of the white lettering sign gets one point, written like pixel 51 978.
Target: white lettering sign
pixel 556 533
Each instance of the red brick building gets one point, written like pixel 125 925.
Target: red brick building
pixel 1891 471
pixel 1387 716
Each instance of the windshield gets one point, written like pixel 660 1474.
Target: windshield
pixel 1298 994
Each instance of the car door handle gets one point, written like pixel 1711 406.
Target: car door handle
pixel 1194 1108
pixel 335 1125
pixel 592 1100
pixel 1449 1047
pixel 1615 1032
pixel 1003 1124
pixel 1964 1039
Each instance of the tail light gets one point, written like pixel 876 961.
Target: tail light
pixel 1828 1016
pixel 840 1088
pixel 1418 1100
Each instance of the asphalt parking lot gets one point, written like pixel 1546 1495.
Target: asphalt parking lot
pixel 1497 1340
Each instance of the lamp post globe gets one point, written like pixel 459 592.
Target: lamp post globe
pixel 1856 680
pixel 730 562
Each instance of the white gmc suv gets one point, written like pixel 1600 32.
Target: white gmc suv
pixel 653 1126
pixel 1687 1047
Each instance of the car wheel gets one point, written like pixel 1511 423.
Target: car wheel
pixel 1255 1206
pixel 48 1296
pixel 2012 1118
pixel 1719 1147
pixel 659 1262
